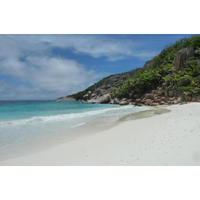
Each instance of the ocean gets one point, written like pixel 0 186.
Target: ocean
pixel 30 126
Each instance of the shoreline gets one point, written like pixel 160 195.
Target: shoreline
pixel 43 136
pixel 167 139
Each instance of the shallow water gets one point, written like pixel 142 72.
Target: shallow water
pixel 30 126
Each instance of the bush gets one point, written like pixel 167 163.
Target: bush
pixel 194 42
pixel 184 81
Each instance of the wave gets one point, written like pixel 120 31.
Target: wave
pixel 40 119
pixel 77 125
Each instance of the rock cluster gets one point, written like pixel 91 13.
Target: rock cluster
pixel 93 98
pixel 155 98
pixel 101 93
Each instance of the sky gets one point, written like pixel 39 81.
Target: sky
pixel 46 67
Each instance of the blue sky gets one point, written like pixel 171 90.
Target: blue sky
pixel 51 66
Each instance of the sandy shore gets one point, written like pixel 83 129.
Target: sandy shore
pixel 169 139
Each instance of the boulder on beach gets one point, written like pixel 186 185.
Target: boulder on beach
pixel 103 99
pixel 123 103
pixel 116 101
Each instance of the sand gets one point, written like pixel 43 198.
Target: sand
pixel 170 139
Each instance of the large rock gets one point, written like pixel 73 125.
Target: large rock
pixel 89 94
pixel 93 95
pixel 195 100
pixel 172 99
pixel 100 91
pixel 103 99
pixel 180 58
pixel 157 100
pixel 162 103
pixel 148 102
pixel 162 98
pixel 138 100
pixel 122 103
pixel 112 101
pixel 116 101
pixel 143 100
pixel 86 97
pixel 149 96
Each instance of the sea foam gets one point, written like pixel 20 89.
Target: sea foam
pixel 61 122
pixel 71 116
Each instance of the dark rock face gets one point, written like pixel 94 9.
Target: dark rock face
pixel 181 57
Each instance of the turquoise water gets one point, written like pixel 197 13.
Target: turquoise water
pixel 15 110
pixel 29 126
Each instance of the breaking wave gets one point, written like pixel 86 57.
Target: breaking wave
pixel 71 116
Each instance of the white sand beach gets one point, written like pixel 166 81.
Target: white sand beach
pixel 168 139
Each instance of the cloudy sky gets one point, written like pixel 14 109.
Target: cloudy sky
pixel 51 66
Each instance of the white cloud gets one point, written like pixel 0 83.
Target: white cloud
pixel 99 46
pixel 56 74
pixel 94 45
pixel 49 75
pixel 28 59
pixel 39 74
pixel 10 91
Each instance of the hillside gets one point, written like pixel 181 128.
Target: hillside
pixel 171 77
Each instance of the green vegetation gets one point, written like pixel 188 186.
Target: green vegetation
pixel 186 82
pixel 80 95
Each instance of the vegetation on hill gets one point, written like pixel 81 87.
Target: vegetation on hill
pixel 112 81
pixel 186 82
pixel 80 95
